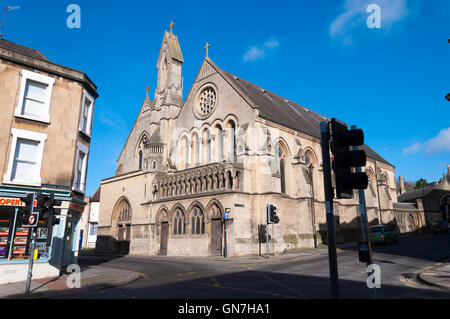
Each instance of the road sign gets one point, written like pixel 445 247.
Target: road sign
pixel 226 216
pixel 32 220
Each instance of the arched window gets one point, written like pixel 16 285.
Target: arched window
pixel 123 212
pixel 281 152
pixel 207 146
pixel 186 152
pixel 195 149
pixel 233 137
pixel 140 159
pixel 154 165
pixel 219 134
pixel 282 176
pixel 197 222
pixel 179 224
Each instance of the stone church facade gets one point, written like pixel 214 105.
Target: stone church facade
pixel 229 145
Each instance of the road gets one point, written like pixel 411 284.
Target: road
pixel 301 275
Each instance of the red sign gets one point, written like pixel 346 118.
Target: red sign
pixel 7 201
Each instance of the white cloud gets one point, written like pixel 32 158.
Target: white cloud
pixel 259 52
pixel 110 118
pixel 354 17
pixel 437 144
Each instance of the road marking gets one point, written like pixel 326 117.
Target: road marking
pixel 276 281
pixel 247 290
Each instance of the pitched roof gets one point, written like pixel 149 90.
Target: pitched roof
pixel 413 194
pixel 96 196
pixel 277 109
pixel 174 46
pixel 5 44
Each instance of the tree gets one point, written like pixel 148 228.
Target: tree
pixel 421 183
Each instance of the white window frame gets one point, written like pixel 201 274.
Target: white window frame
pixel 82 186
pixel 28 75
pixel 28 135
pixel 89 97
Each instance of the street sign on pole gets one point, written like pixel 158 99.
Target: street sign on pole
pixel 225 217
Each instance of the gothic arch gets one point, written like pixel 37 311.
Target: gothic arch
pixel 162 215
pixel 174 208
pixel 141 145
pixel 117 209
pixel 214 210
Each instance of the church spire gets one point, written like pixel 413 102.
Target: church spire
pixel 170 60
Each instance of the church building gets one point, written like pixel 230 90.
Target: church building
pixel 232 146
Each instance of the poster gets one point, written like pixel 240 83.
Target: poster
pixel 4 231
pixel 22 231
pixel 3 240
pixel 19 250
pixel 20 240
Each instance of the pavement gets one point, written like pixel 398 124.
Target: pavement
pixel 437 275
pixel 97 277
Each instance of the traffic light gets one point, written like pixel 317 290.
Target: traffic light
pixel 272 217
pixel 345 159
pixel 45 206
pixel 24 211
pixel 47 212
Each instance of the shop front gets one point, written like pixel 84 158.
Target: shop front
pixel 56 246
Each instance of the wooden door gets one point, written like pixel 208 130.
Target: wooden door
pixel 216 237
pixel 164 238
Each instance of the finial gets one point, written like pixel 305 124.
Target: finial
pixel 206 48
pixel 147 88
pixel 171 26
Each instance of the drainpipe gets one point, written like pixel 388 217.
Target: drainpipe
pixel 378 193
pixel 313 211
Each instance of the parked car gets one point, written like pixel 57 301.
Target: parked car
pixel 381 234
pixel 439 227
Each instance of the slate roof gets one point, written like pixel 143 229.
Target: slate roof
pixel 23 50
pixel 174 46
pixel 282 111
pixel 412 195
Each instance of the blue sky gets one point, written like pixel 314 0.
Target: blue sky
pixel 390 81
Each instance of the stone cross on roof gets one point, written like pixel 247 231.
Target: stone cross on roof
pixel 206 48
pixel 171 26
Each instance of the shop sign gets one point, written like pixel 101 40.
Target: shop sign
pixel 76 207
pixel 13 202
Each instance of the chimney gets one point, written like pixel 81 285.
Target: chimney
pixel 402 184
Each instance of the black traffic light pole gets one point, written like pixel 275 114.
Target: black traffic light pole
pixel 364 220
pixel 31 251
pixel 331 235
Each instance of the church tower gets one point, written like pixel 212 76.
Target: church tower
pixel 168 95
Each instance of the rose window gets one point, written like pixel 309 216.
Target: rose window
pixel 207 101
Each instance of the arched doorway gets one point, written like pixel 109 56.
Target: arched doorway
pixel 162 222
pixel 215 213
pixel 123 216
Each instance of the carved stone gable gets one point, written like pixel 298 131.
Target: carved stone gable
pixel 206 71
